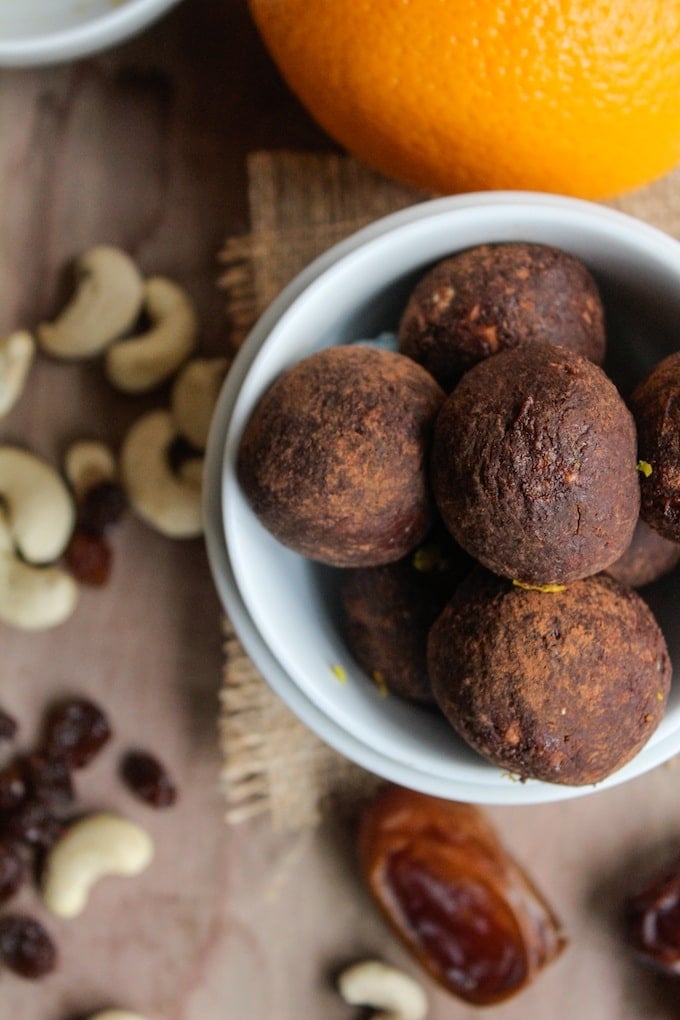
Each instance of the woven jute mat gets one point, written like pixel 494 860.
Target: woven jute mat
pixel 300 205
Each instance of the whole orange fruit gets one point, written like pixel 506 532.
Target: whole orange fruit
pixel 579 97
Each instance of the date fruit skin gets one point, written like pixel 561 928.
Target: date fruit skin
pixel 454 896
pixel 653 923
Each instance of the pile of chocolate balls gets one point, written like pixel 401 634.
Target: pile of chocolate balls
pixel 493 503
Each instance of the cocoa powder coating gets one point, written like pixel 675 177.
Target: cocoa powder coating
pixel 388 611
pixel 656 406
pixel 497 296
pixel 334 459
pixel 534 466
pixel 564 687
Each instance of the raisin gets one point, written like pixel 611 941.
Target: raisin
pixel 147 778
pixel 88 557
pixel 48 779
pixel 13 869
pixel 34 824
pixel 76 729
pixel 13 786
pixel 101 507
pixel 26 947
pixel 8 726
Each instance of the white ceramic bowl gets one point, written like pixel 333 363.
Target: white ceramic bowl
pixel 284 608
pixel 36 32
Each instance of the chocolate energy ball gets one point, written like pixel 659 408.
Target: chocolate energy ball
pixel 648 557
pixel 565 687
pixel 389 610
pixel 534 466
pixel 334 458
pixel 496 296
pixel 656 406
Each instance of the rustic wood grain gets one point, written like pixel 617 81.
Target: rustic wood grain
pixel 145 147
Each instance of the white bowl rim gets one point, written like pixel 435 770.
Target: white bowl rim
pixel 85 38
pixel 507 792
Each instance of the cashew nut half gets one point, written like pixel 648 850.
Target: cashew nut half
pixel 32 598
pixel 143 362
pixel 106 304
pixel 194 396
pixel 40 508
pixel 92 848
pixel 88 462
pixel 165 502
pixel 374 984
pixel 16 357
pixel 116 1014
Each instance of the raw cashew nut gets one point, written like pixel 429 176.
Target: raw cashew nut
pixel 32 598
pixel 143 362
pixel 92 848
pixel 165 502
pixel 192 471
pixel 106 304
pixel 374 984
pixel 194 396
pixel 16 357
pixel 88 462
pixel 116 1014
pixel 40 508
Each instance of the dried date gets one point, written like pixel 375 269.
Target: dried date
pixel 76 729
pixel 454 896
pixel 148 779
pixel 26 947
pixel 653 923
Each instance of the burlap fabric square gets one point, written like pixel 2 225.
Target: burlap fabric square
pixel 300 205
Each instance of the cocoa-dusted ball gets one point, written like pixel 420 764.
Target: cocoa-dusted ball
pixel 656 407
pixel 389 610
pixel 565 687
pixel 496 296
pixel 334 458
pixel 534 465
pixel 648 557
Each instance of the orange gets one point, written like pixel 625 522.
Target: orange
pixel 575 96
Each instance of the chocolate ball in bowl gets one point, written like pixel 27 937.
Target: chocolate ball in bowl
pixel 534 466
pixel 656 407
pixel 648 557
pixel 388 611
pixel 564 687
pixel 495 296
pixel 333 460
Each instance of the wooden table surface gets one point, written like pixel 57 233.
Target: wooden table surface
pixel 144 147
